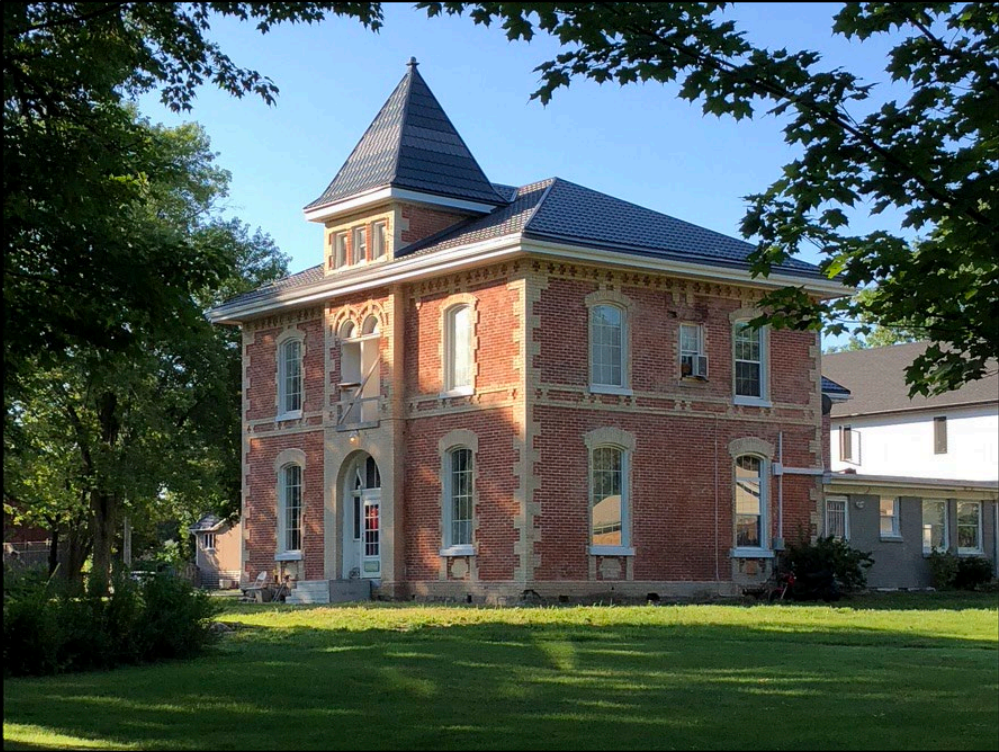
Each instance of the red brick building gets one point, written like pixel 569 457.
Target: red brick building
pixel 483 389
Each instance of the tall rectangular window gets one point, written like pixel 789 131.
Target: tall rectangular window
pixel 750 375
pixel 693 362
pixel 290 377
pixel 969 527
pixel 340 249
pixel 378 240
pixel 750 502
pixel 459 356
pixel 890 519
pixel 607 346
pixel 360 243
pixel 934 525
pixel 292 503
pixel 608 484
pixel 940 435
pixel 837 522
pixel 460 497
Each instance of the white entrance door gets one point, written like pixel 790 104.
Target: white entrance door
pixel 362 530
pixel 371 543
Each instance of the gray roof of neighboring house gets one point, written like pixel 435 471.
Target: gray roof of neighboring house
pixel 207 524
pixel 876 380
pixel 411 144
pixel 831 387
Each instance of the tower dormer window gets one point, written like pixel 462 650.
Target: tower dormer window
pixel 379 240
pixel 339 249
pixel 360 246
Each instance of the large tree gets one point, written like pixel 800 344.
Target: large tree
pixel 100 434
pixel 932 155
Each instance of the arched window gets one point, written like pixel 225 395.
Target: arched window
pixel 290 509
pixel 458 498
pixel 370 326
pixel 608 497
pixel 750 502
pixel 607 347
pixel 459 358
pixel 290 378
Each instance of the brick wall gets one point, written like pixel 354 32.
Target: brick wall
pixel 260 361
pixel 419 222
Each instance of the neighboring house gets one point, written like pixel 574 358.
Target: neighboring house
pixel 910 475
pixel 485 389
pixel 217 552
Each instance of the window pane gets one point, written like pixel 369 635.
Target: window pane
pixel 607 337
pixel 371 530
pixel 836 518
pixel 377 240
pixel 934 525
pixel 606 484
pixel 461 347
pixel 340 248
pixel 889 518
pixel 292 376
pixel 293 508
pixel 690 339
pixel 748 501
pixel 748 361
pixel 969 518
pixel 747 379
pixel 461 497
pixel 360 245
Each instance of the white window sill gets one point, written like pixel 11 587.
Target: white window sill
pixel 462 391
pixel 745 552
pixel 619 390
pixel 289 556
pixel 611 551
pixel 970 552
pixel 293 415
pixel 751 401
pixel 458 551
pixel 891 538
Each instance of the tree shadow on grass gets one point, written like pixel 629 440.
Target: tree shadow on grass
pixel 496 685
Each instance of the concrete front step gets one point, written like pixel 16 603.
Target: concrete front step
pixel 330 591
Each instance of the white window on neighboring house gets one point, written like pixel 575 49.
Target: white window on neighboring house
pixel 940 435
pixel 459 356
pixel 608 498
pixel 849 445
pixel 290 378
pixel 838 517
pixel 750 364
pixel 750 502
pixel 693 361
pixel 458 498
pixel 608 350
pixel 360 245
pixel 339 241
pixel 969 527
pixel 290 509
pixel 208 541
pixel 890 527
pixel 934 525
pixel 379 240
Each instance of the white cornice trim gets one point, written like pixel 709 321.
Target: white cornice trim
pixel 846 481
pixel 823 287
pixel 379 195
pixel 489 251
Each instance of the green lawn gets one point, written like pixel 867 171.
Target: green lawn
pixel 916 672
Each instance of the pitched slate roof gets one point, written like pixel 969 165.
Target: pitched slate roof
pixel 207 524
pixel 561 211
pixel 411 144
pixel 876 380
pixel 299 279
pixel 831 387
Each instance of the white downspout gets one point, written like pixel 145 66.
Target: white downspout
pixel 780 492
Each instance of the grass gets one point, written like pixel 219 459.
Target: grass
pixel 879 672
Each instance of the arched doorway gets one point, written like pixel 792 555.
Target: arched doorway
pixel 362 493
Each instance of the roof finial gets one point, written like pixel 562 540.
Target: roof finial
pixel 412 63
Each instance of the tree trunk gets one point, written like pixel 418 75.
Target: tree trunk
pixel 102 529
pixel 54 552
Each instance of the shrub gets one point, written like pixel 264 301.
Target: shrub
pixel 847 564
pixel 972 571
pixel 943 569
pixel 48 630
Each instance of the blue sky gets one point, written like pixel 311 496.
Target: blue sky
pixel 639 143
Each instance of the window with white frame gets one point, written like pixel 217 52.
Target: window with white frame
pixel 849 445
pixel 208 541
pixel 934 525
pixel 940 435
pixel 339 241
pixel 607 346
pixel 290 513
pixel 458 498
pixel 750 502
pixel 609 497
pixel 290 377
pixel 837 517
pixel 693 361
pixel 360 245
pixel 379 240
pixel 459 357
pixel 750 362
pixel 889 509
pixel 969 527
